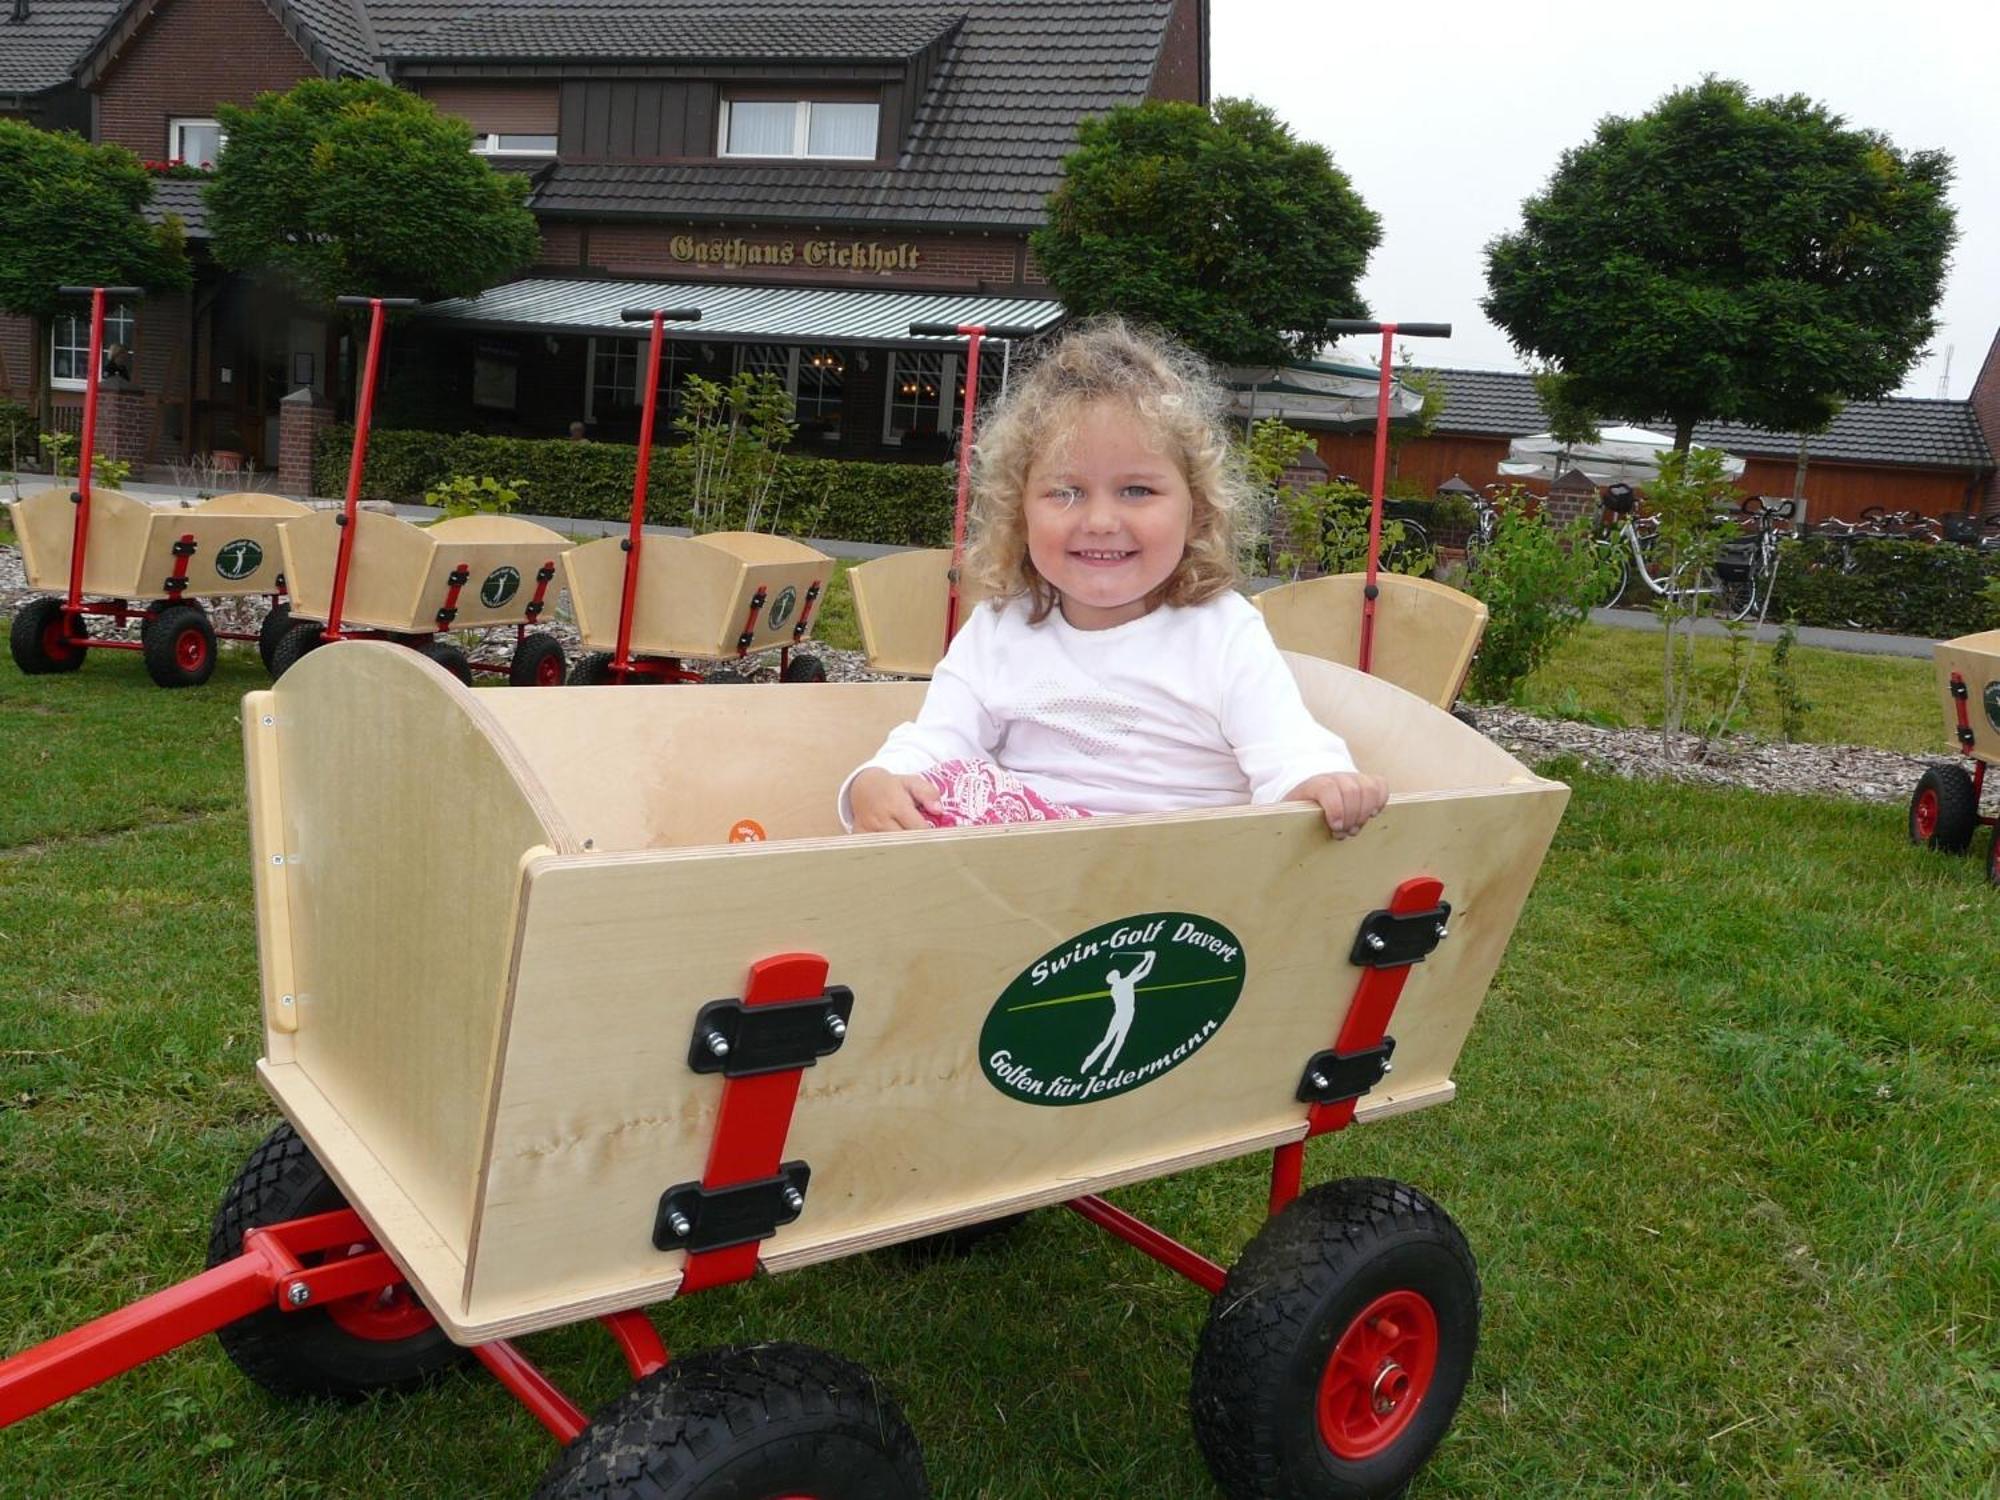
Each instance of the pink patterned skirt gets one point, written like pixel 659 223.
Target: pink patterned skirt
pixel 977 791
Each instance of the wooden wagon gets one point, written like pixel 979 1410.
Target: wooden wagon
pixel 1427 632
pixel 900 603
pixel 724 595
pixel 143 563
pixel 416 583
pixel 1944 809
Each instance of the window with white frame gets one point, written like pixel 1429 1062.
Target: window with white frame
pixel 615 379
pixel 918 385
pixel 508 143
pixel 831 129
pixel 199 143
pixel 69 344
pixel 815 378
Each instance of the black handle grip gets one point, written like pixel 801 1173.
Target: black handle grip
pixel 1414 330
pixel 121 292
pixel 667 314
pixel 371 301
pixel 951 331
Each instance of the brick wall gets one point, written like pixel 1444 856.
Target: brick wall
pixel 942 261
pixel 1986 412
pixel 562 246
pixel 1177 74
pixel 189 56
pixel 302 417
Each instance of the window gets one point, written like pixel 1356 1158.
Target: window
pixel 508 144
pixel 917 385
pixel 69 344
pixel 614 377
pixel 832 129
pixel 814 377
pixel 199 143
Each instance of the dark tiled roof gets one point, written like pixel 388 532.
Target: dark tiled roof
pixel 986 150
pixel 635 32
pixel 1899 430
pixel 180 196
pixel 39 53
pixel 340 28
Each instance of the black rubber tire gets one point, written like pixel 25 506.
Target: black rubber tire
pixel 956 1244
pixel 1957 809
pixel 592 669
pixel 179 646
pixel 451 658
pixel 300 637
pixel 745 1423
pixel 803 669
pixel 307 1353
pixel 1465 716
pixel 538 662
pixel 277 620
pixel 35 639
pixel 1274 1325
pixel 726 677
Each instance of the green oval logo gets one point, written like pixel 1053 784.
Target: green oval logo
pixel 1112 1009
pixel 237 560
pixel 782 606
pixel 500 586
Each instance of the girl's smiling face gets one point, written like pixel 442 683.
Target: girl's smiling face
pixel 1107 518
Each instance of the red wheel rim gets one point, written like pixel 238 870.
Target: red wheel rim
pixel 1924 815
pixel 381 1317
pixel 56 642
pixel 191 650
pixel 549 671
pixel 1376 1379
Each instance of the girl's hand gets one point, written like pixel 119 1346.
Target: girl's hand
pixel 882 800
pixel 1348 799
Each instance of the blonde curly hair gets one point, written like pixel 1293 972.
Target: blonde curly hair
pixel 1172 391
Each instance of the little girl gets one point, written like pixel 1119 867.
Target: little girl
pixel 1115 668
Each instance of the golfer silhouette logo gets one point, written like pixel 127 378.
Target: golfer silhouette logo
pixel 1124 1005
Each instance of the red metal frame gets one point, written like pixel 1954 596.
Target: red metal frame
pixel 1961 696
pixel 364 417
pixel 86 454
pixel 1375 498
pixel 755 1117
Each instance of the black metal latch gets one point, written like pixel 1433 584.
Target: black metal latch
pixel 741 1041
pixel 693 1217
pixel 1332 1077
pixel 1388 941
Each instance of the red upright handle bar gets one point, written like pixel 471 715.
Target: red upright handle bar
pixel 658 317
pixel 80 532
pixel 364 418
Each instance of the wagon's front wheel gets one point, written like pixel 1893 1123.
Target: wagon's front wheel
pixel 376 1341
pixel 451 658
pixel 1336 1354
pixel 538 661
pixel 753 1422
pixel 43 642
pixel 803 669
pixel 592 669
pixel 298 638
pixel 179 646
pixel 1944 810
pixel 277 620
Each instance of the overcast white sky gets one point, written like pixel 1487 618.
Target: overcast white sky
pixel 1446 114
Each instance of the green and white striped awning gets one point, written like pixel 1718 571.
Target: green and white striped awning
pixel 739 314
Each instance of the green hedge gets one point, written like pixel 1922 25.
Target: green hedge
pixel 20 435
pixel 1912 588
pixel 892 504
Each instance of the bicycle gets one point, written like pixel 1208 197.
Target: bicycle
pixel 1632 537
pixel 1748 567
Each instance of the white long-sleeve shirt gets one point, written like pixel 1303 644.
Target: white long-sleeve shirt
pixel 1180 708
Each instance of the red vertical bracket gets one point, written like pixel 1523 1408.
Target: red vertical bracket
pixel 1374 1002
pixel 177 580
pixel 755 1117
pixel 537 604
pixel 750 625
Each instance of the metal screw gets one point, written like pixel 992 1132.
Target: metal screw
pixel 269 721
pixel 1443 932
pixel 1318 1080
pixel 277 859
pixel 680 1225
pixel 717 1043
pixel 1387 1067
pixel 835 1025
pixel 794 1199
pixel 284 1000
pixel 298 1294
pixel 1376 942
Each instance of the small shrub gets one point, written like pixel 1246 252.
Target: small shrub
pixel 463 495
pixel 1538 583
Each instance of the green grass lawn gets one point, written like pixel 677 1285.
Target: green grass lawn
pixel 1724 1145
pixel 1612 675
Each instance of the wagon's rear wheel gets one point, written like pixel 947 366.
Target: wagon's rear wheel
pixel 179 646
pixel 375 1341
pixel 277 620
pixel 299 637
pixel 1944 812
pixel 803 669
pixel 1336 1354
pixel 451 658
pixel 592 669
pixel 538 661
pixel 40 641
pixel 746 1423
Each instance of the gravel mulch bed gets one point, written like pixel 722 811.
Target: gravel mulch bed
pixel 1855 771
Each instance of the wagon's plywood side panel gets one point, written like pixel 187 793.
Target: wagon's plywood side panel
pixel 45 524
pixel 637 769
pixel 1394 734
pixel 390 560
pixel 1976 658
pixel 250 503
pixel 1425 632
pixel 899 603
pixel 502 555
pixel 597 1113
pixel 685 593
pixel 233 553
pixel 404 819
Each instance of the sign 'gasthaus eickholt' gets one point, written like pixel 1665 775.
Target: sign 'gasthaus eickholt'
pixel 819 255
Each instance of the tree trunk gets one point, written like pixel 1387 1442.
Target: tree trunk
pixel 1799 473
pixel 1683 433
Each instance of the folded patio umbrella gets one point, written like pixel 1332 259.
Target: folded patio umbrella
pixel 1627 453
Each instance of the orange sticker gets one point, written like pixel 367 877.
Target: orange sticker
pixel 746 831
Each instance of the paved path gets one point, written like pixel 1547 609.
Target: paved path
pixel 1864 642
